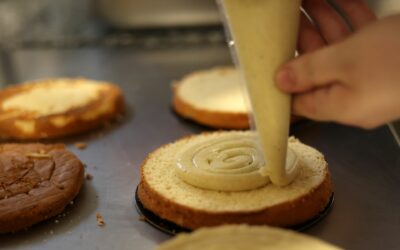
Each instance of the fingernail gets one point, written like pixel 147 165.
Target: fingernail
pixel 285 79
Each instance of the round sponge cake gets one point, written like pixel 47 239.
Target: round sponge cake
pixel 213 97
pixel 57 107
pixel 242 237
pixel 165 194
pixel 37 182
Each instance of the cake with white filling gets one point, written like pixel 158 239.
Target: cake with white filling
pixel 167 193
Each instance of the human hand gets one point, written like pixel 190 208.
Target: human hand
pixel 350 78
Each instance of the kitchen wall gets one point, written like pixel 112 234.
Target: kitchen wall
pixel 46 19
pixel 32 20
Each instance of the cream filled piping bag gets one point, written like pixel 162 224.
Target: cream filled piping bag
pixel 264 34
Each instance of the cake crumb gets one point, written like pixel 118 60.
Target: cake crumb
pixel 80 145
pixel 142 218
pixel 100 220
pixel 88 176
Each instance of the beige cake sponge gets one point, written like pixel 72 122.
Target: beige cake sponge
pixel 57 107
pixel 213 97
pixel 243 237
pixel 165 194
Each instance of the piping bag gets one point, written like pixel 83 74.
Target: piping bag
pixel 264 34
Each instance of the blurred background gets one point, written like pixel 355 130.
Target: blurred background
pixel 77 22
pixel 28 21
pixel 138 23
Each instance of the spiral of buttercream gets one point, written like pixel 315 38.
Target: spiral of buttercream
pixel 229 162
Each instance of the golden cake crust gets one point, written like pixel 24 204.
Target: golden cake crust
pixel 21 122
pixel 284 214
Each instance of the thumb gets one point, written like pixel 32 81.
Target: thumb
pixel 311 70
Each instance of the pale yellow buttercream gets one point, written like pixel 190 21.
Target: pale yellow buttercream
pixel 231 162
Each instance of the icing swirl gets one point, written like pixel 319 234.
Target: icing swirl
pixel 227 163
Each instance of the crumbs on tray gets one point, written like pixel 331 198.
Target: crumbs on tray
pixel 100 220
pixel 88 176
pixel 80 145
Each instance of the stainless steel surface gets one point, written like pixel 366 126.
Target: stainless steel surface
pixel 365 165
pixel 157 13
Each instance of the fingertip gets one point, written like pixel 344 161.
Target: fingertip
pixel 285 79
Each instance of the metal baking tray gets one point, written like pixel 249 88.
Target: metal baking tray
pixel 365 165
